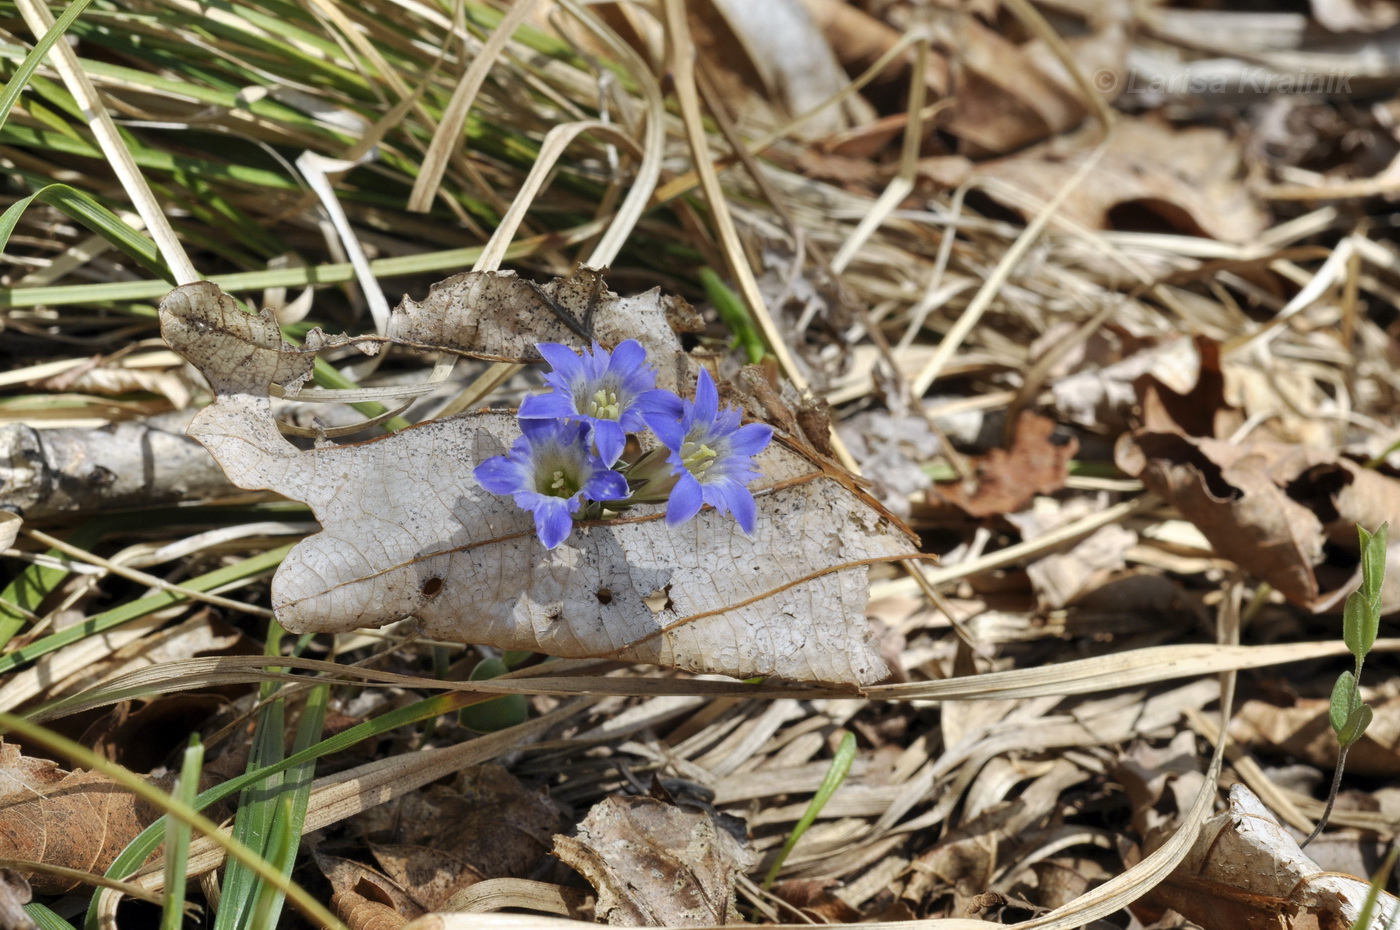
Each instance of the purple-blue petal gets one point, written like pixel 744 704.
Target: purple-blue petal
pixel 500 475
pixel 685 501
pixel 608 436
pixel 561 358
pixel 732 497
pixel 750 439
pixel 629 356
pixel 659 403
pixel 552 520
pixel 606 485
pixel 706 398
pixel 553 405
pixel 670 431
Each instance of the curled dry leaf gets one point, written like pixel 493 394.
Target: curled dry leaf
pixel 362 897
pixel 408 531
pixel 1276 510
pixel 1246 872
pixel 655 864
pixel 79 820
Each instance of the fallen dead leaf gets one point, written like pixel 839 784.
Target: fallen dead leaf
pixel 655 864
pixel 1284 513
pixel 467 563
pixel 1246 872
pixel 1303 730
pixel 437 841
pixel 1152 176
pixel 1006 480
pixel 78 820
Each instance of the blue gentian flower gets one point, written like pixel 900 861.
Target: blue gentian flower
pixel 609 392
pixel 550 471
pixel 712 455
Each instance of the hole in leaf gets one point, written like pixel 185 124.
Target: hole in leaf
pixel 659 600
pixel 432 587
pixel 604 596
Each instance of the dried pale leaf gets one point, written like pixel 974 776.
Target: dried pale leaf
pixel 1183 180
pixel 1355 15
pixel 497 315
pixel 78 820
pixel 655 864
pixel 784 47
pixel 1245 871
pixel 408 531
pixel 113 380
pixel 15 893
pixel 1271 508
pixel 1007 96
pixel 1303 731
pixel 10 523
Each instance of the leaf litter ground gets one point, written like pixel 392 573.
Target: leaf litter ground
pixel 1165 402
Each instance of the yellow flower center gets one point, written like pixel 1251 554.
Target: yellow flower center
pixel 697 457
pixel 604 405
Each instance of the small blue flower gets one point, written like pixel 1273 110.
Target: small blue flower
pixel 712 454
pixel 550 472
pixel 610 392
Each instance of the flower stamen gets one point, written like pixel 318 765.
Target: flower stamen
pixel 604 405
pixel 697 457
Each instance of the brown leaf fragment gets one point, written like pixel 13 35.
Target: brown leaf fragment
pixel 1006 480
pixel 408 531
pixel 1153 176
pixel 1276 510
pixel 362 897
pixel 1246 872
pixel 654 864
pixel 816 897
pixel 15 893
pixel 1006 96
pixel 443 838
pixel 79 820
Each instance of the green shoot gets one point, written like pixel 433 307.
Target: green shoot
pixel 840 768
pixel 177 837
pixel 1378 882
pixel 734 315
pixel 1361 617
pixel 497 713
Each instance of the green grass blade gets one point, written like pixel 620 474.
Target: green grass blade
pixel 139 849
pixel 46 919
pixel 9 96
pixel 108 619
pixel 840 768
pixel 253 825
pixel 29 588
pixel 177 838
pixel 94 216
